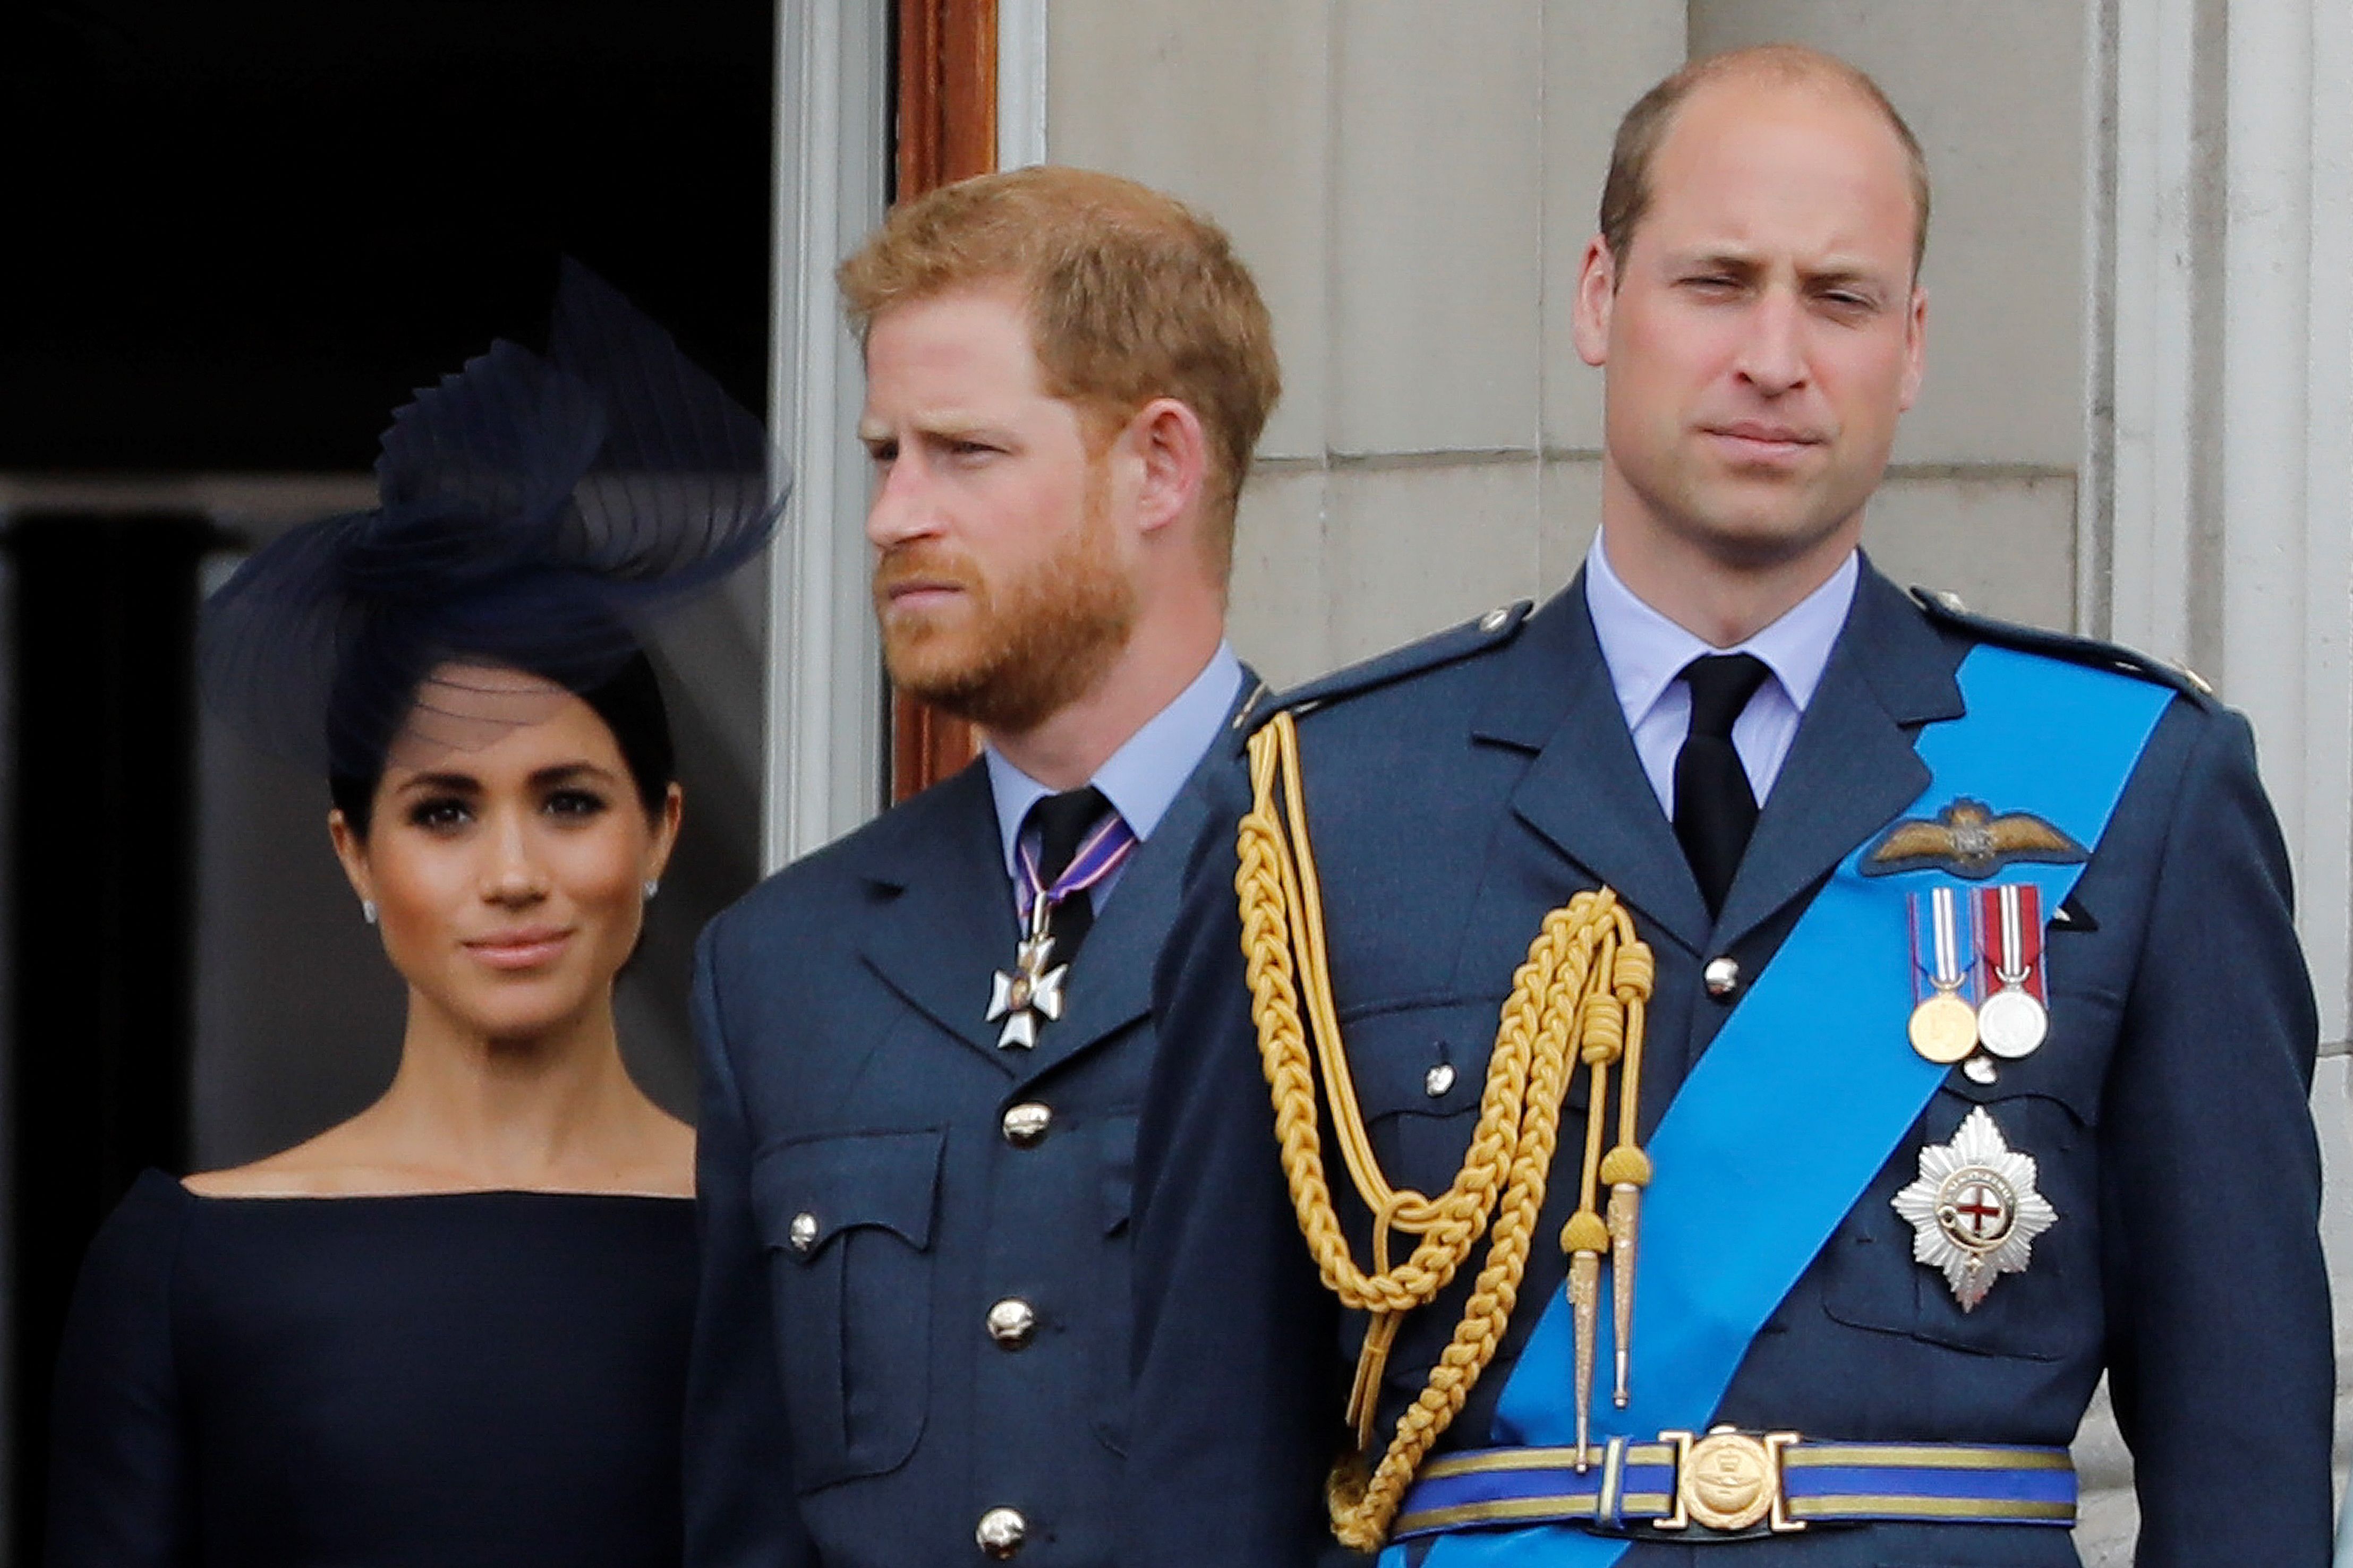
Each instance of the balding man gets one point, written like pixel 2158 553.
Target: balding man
pixel 1748 1048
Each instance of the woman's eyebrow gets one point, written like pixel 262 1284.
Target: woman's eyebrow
pixel 561 772
pixel 463 783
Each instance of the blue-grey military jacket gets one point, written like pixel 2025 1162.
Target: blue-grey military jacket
pixel 1458 791
pixel 915 1270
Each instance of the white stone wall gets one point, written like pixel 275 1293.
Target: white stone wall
pixel 1981 496
pixel 2138 414
pixel 1413 186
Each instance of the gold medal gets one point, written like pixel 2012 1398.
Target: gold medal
pixel 1943 1028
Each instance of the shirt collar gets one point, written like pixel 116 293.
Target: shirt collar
pixel 1645 650
pixel 1141 779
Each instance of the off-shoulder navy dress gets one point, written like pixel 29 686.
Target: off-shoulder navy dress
pixel 435 1382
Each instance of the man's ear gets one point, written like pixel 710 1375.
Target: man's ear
pixel 1597 294
pixel 1915 346
pixel 1172 456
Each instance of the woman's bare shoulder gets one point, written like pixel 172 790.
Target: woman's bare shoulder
pixel 316 1167
pixel 342 1162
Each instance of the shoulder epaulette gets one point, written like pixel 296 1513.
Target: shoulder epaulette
pixel 1945 608
pixel 1492 630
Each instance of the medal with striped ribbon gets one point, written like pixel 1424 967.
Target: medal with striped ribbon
pixel 1031 992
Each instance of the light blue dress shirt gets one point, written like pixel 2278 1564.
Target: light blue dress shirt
pixel 1645 652
pixel 1141 778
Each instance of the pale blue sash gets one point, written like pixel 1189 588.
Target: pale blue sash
pixel 1809 1087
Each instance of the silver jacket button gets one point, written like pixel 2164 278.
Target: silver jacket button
pixel 1001 1532
pixel 1438 1080
pixel 1026 1124
pixel 1011 1322
pixel 803 1233
pixel 1722 977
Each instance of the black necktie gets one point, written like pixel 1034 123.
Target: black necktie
pixel 1062 823
pixel 1714 808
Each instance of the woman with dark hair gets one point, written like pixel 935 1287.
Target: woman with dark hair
pixel 452 1330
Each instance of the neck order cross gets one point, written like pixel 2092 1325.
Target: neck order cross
pixel 1031 995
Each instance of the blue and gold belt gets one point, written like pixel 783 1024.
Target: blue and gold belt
pixel 1728 1484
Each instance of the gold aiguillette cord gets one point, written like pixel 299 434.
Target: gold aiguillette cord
pixel 1586 974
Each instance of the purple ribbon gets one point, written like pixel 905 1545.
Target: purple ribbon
pixel 1101 853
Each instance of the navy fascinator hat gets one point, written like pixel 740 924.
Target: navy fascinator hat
pixel 535 512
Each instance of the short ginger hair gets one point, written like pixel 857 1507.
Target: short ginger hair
pixel 1131 295
pixel 1626 193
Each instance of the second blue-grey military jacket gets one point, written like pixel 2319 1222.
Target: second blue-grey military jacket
pixel 1458 791
pixel 916 1292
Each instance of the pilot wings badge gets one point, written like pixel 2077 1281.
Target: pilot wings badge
pixel 1974 1211
pixel 1968 840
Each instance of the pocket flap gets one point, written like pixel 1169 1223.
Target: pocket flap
pixel 806 1193
pixel 2072 1065
pixel 1427 1060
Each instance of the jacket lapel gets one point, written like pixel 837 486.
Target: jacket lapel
pixel 1584 791
pixel 1851 767
pixel 950 926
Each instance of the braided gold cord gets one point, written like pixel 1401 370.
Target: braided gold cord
pixel 1585 975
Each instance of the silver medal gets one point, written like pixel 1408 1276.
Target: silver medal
pixel 1030 994
pixel 2011 1023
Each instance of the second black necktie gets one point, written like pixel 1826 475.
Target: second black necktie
pixel 1715 809
pixel 1063 822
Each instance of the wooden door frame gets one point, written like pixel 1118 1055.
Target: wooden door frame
pixel 944 129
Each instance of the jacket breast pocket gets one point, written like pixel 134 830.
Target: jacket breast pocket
pixel 1419 1070
pixel 2046 1108
pixel 848 1225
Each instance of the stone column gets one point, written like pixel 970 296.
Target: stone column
pixel 2221 444
pixel 825 686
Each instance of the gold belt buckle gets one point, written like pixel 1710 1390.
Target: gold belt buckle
pixel 1729 1480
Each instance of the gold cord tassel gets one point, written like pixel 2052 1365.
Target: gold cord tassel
pixel 1602 1024
pixel 1585 1240
pixel 1586 975
pixel 1626 1169
pixel 1625 1245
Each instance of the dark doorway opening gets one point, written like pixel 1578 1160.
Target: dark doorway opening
pixel 238 234
pixel 102 631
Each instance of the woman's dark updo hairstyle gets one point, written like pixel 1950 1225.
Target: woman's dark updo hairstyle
pixel 629 701
pixel 537 513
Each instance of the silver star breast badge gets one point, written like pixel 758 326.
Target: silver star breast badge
pixel 1974 1212
pixel 1031 995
